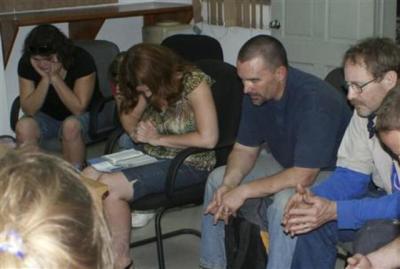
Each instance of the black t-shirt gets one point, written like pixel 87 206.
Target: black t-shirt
pixel 304 128
pixel 83 65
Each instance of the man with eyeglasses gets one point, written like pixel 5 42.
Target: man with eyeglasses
pixel 388 129
pixel 358 202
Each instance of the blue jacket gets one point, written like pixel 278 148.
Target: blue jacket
pixel 354 207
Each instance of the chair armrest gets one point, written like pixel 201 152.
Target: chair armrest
pixel 178 161
pixel 14 113
pixel 94 113
pixel 175 165
pixel 112 140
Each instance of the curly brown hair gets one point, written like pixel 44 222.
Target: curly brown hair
pixel 155 66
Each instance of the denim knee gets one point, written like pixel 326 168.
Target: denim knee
pixel 216 177
pixel 125 142
pixel 280 200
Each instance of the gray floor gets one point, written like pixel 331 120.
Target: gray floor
pixel 181 252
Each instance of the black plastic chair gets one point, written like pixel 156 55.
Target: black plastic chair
pixel 102 114
pixel 7 141
pixel 194 47
pixel 336 78
pixel 227 93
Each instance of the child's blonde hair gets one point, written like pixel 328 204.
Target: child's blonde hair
pixel 48 218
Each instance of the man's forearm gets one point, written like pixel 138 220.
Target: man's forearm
pixel 288 178
pixel 240 162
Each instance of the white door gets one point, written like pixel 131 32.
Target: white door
pixel 316 33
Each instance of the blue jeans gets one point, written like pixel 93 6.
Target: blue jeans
pixel 125 142
pixel 151 178
pixel 212 251
pixel 317 249
pixel 51 128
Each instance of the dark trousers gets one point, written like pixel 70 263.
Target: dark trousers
pixel 317 249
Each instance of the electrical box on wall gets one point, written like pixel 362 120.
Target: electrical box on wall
pixel 161 30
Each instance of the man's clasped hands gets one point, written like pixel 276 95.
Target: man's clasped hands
pixel 304 211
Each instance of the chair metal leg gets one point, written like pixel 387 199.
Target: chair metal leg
pixel 160 247
pixel 160 237
pixel 165 236
pixel 343 253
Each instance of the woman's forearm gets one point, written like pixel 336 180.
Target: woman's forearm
pixel 192 139
pixel 32 101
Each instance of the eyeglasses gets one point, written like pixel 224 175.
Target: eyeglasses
pixel 41 49
pixel 39 58
pixel 358 88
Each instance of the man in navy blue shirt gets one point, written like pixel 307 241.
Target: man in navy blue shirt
pixel 342 207
pixel 300 118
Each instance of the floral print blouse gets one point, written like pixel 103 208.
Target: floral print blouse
pixel 179 119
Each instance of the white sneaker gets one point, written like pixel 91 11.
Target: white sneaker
pixel 141 218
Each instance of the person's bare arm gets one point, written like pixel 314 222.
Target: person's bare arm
pixel 359 261
pixel 206 133
pixel 77 99
pixel 305 212
pixel 287 178
pixel 32 98
pixel 387 256
pixel 234 199
pixel 130 120
pixel 241 160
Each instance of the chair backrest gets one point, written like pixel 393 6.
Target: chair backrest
pixel 336 78
pixel 194 47
pixel 103 53
pixel 228 93
pixel 14 112
pixel 104 118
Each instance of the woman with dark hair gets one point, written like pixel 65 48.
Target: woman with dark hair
pixel 165 105
pixel 57 82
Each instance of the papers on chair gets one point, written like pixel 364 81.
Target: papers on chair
pixel 120 160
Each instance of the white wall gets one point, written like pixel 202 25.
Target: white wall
pixel 231 38
pixel 124 32
pixel 4 111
